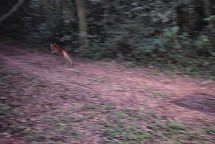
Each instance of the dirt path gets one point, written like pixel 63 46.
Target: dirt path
pixel 175 98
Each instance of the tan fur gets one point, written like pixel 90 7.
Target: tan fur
pixel 62 52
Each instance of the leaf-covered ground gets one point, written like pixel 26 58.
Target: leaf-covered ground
pixel 42 101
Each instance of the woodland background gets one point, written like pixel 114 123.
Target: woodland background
pixel 175 34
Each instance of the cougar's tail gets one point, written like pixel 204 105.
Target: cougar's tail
pixel 66 56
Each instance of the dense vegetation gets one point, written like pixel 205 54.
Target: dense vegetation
pixel 164 33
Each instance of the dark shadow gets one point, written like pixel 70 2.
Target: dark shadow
pixel 198 101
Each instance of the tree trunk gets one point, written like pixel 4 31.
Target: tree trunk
pixel 14 9
pixel 59 15
pixel 59 4
pixel 207 8
pixel 83 40
pixel 208 11
pixel 106 7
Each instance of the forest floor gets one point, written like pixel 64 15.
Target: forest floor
pixel 43 101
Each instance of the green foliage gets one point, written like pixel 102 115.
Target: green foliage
pixel 4 109
pixel 131 135
pixel 171 32
pixel 176 126
pixel 210 19
pixel 122 129
pixel 210 129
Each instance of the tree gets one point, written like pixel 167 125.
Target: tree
pixel 207 8
pixel 83 40
pixel 14 9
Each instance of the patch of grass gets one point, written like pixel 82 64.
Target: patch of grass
pixel 59 125
pixel 135 126
pixel 98 107
pixel 52 130
pixel 121 127
pixel 120 115
pixel 173 128
pixel 98 79
pixel 154 93
pixel 175 131
pixel 107 107
pixel 35 136
pixel 210 129
pixel 4 109
pixel 125 134
pixel 17 129
pixel 178 132
pixel 176 126
pixel 128 115
pixel 2 83
pixel 17 112
pixel 160 94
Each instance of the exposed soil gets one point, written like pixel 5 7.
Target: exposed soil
pixel 42 87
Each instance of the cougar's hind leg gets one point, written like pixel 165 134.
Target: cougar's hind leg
pixel 65 60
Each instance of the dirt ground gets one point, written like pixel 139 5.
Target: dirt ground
pixel 43 101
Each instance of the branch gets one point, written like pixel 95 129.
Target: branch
pixel 14 9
